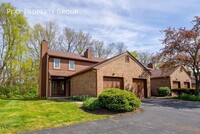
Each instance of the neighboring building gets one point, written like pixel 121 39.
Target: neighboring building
pixel 67 74
pixel 193 82
pixel 174 78
pixel 191 74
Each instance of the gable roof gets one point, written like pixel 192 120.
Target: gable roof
pixel 68 55
pixel 159 73
pixel 100 64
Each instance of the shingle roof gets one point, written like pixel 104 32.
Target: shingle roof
pixel 60 73
pixel 57 53
pixel 157 73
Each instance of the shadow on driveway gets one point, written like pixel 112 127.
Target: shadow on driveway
pixel 173 103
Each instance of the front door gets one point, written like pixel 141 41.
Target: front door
pixel 58 88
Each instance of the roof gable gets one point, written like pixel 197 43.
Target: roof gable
pixel 105 62
pixel 158 73
pixel 97 66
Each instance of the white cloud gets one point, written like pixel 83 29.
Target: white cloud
pixel 136 23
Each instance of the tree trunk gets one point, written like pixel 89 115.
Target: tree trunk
pixel 197 84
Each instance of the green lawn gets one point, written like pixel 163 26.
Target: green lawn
pixel 27 115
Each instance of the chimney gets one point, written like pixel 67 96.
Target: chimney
pixel 43 68
pixel 44 47
pixel 88 54
pixel 150 65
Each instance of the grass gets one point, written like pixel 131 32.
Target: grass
pixel 189 97
pixel 18 116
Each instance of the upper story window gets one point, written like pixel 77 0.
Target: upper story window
pixel 71 65
pixel 56 63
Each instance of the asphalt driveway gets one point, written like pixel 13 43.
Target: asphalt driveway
pixel 160 116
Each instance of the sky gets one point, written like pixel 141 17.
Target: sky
pixel 137 23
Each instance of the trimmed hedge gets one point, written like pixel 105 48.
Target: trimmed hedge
pixel 180 91
pixel 163 91
pixel 189 97
pixel 92 104
pixel 116 99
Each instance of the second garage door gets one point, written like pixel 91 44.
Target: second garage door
pixel 176 84
pixel 113 82
pixel 139 88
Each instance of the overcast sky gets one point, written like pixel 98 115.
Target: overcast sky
pixel 137 23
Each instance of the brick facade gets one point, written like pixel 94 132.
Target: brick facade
pixel 43 69
pixel 117 67
pixel 159 82
pixel 64 64
pixel 84 84
pixel 179 75
pixel 91 75
pixel 126 70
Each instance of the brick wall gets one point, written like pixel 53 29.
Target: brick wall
pixel 180 75
pixel 159 82
pixel 127 70
pixel 43 69
pixel 84 84
pixel 64 64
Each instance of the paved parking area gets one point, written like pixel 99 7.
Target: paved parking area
pixel 160 116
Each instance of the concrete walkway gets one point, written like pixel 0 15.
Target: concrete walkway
pixel 160 116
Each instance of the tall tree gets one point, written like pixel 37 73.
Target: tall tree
pixel 82 42
pixel 100 50
pixel 134 54
pixel 14 36
pixel 144 57
pixel 182 47
pixel 75 42
pixel 78 42
pixel 119 47
pixel 69 37
pixel 48 31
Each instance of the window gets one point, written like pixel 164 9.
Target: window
pixel 71 65
pixel 56 63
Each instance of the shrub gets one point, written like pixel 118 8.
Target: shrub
pixel 18 91
pixel 5 91
pixel 189 97
pixel 80 98
pixel 164 91
pixel 92 104
pixel 180 91
pixel 119 100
